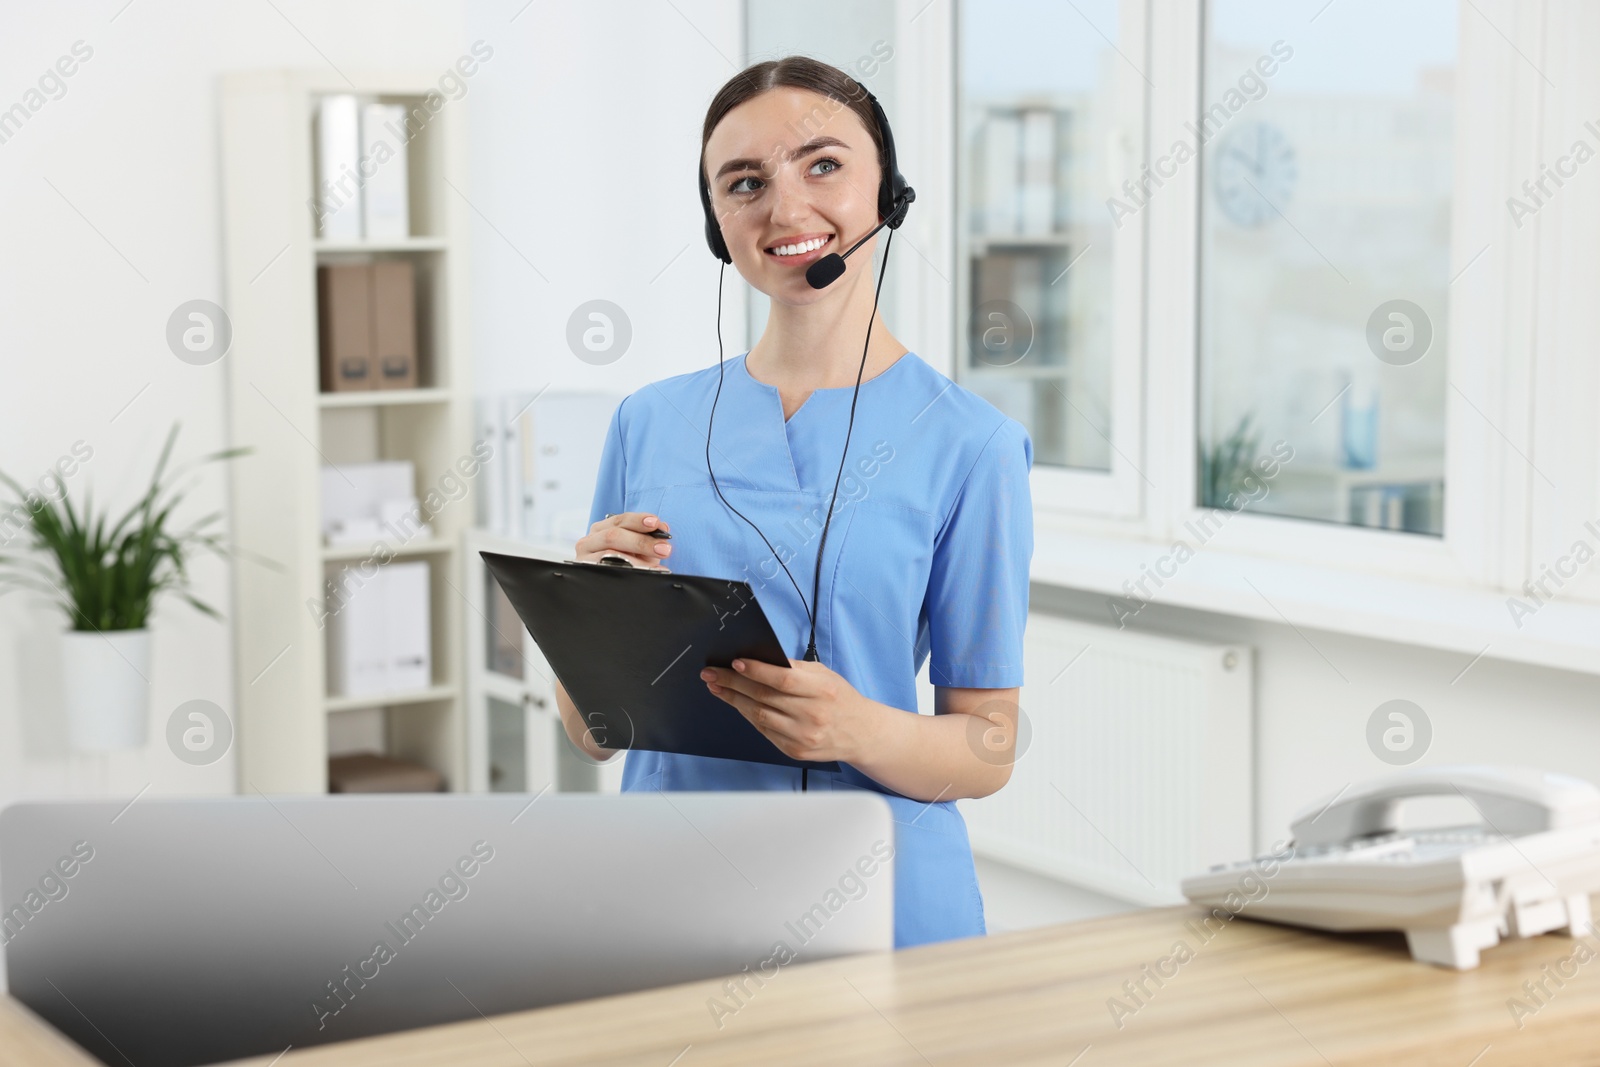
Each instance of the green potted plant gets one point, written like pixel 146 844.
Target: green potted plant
pixel 1225 464
pixel 107 581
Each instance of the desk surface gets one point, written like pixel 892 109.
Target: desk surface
pixel 1254 994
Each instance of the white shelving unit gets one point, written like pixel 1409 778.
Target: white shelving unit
pixel 386 399
pixel 284 711
pixel 515 741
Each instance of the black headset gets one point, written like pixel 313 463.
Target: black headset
pixel 894 198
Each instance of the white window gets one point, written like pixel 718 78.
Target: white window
pixel 1049 103
pixel 1367 188
pixel 1326 191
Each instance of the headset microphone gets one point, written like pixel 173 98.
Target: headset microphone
pixel 829 268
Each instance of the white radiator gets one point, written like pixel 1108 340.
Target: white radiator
pixel 1139 769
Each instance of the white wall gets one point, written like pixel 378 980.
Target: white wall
pixel 1311 722
pixel 585 139
pixel 113 219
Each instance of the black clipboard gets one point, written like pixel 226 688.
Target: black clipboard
pixel 629 643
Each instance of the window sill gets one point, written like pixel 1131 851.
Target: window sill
pixel 1474 621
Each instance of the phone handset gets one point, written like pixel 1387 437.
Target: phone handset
pixel 1512 800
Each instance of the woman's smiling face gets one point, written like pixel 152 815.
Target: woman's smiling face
pixel 794 177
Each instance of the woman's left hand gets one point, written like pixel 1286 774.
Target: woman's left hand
pixel 806 709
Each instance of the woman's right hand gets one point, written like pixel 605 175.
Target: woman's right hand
pixel 627 535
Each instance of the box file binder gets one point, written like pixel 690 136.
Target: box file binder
pixel 394 324
pixel 379 630
pixel 344 298
pixel 367 319
pixel 338 168
pixel 385 206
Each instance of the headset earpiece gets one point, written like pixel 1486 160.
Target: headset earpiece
pixel 894 194
pixel 719 247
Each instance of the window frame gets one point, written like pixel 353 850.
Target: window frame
pixel 1564 389
pixel 1498 512
pixel 1155 378
pixel 1482 502
pixel 1065 493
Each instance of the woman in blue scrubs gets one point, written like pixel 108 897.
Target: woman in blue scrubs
pixel 927 553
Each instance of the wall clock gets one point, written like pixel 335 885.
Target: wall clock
pixel 1255 172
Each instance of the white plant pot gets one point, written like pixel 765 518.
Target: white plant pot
pixel 104 680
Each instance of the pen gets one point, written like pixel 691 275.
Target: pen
pixel 661 534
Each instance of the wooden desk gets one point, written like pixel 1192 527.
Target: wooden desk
pixel 1255 994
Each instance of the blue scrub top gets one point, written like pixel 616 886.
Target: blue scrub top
pixel 927 560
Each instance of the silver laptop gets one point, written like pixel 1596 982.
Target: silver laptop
pixel 172 932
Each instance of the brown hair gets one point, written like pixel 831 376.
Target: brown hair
pixel 795 72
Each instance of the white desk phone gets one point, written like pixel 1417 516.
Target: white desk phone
pixel 1527 869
